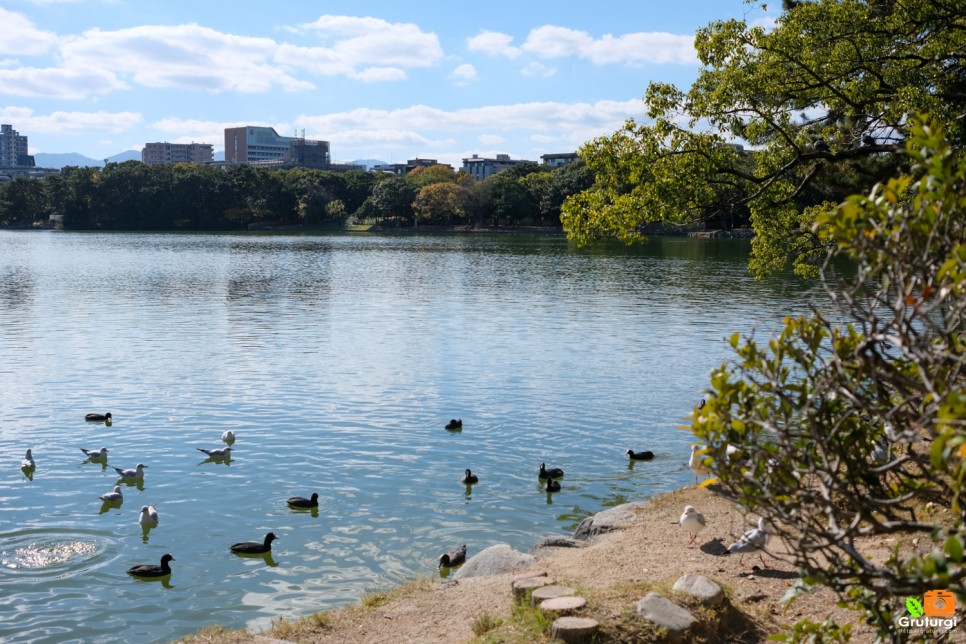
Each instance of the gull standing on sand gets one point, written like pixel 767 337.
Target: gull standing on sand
pixel 112 497
pixel 697 454
pixel 28 462
pixel 137 474
pixel 692 521
pixel 753 540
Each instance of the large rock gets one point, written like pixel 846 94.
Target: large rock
pixel 700 587
pixel 606 521
pixel 494 560
pixel 664 613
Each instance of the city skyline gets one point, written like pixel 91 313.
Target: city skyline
pixel 388 81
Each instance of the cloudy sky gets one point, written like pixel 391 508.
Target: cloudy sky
pixel 379 80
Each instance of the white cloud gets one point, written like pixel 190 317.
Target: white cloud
pixel 373 133
pixel 551 41
pixel 464 74
pixel 379 74
pixel 493 43
pixel 353 45
pixel 20 37
pixel 57 83
pixel 537 70
pixel 69 122
pixel 187 55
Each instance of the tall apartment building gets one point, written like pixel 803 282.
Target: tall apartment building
pixel 265 146
pixel 170 153
pixel 13 149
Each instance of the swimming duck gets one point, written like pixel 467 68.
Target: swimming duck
pixel 552 486
pixel 149 515
pixel 224 452
pixel 112 497
pixel 455 423
pixel 150 570
pixel 640 456
pixel 228 436
pixel 753 540
pixel 137 474
pixel 554 472
pixel 302 502
pixel 255 547
pixel 28 462
pixel 95 454
pixel 98 417
pixel 453 557
pixel 469 478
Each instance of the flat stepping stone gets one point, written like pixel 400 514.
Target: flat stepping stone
pixel 563 604
pixel 523 587
pixel 550 592
pixel 575 630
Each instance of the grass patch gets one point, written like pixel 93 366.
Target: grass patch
pixel 485 623
pixel 314 623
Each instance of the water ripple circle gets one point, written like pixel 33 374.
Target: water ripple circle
pixel 54 552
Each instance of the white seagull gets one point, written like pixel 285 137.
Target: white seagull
pixel 28 461
pixel 697 454
pixel 228 436
pixel 137 474
pixel 224 452
pixel 95 454
pixel 111 497
pixel 692 521
pixel 752 541
pixel 149 515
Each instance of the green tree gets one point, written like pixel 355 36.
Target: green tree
pixel 508 201
pixel 825 94
pixel 850 423
pixel 392 199
pixel 424 175
pixel 440 202
pixel 23 201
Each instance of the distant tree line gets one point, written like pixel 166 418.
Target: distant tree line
pixel 135 196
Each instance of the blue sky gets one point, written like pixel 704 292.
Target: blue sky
pixel 379 80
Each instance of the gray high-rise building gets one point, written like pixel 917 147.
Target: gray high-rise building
pixel 13 149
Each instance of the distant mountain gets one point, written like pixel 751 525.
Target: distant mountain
pixel 64 159
pixel 369 163
pixel 127 155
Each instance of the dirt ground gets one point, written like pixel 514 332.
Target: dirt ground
pixel 614 571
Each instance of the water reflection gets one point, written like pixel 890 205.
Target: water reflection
pixel 336 357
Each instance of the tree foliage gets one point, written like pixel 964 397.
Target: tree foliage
pixel 822 101
pixel 850 423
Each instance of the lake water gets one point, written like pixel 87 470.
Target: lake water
pixel 337 360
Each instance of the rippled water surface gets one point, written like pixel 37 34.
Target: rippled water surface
pixel 337 361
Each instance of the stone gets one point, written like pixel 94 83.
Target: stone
pixel 563 604
pixel 700 587
pixel 606 521
pixel 549 592
pixel 495 560
pixel 545 546
pixel 664 613
pixel 523 587
pixel 574 630
pixel 531 574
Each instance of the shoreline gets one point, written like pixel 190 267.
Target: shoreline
pixel 645 551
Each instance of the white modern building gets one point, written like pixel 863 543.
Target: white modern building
pixel 170 153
